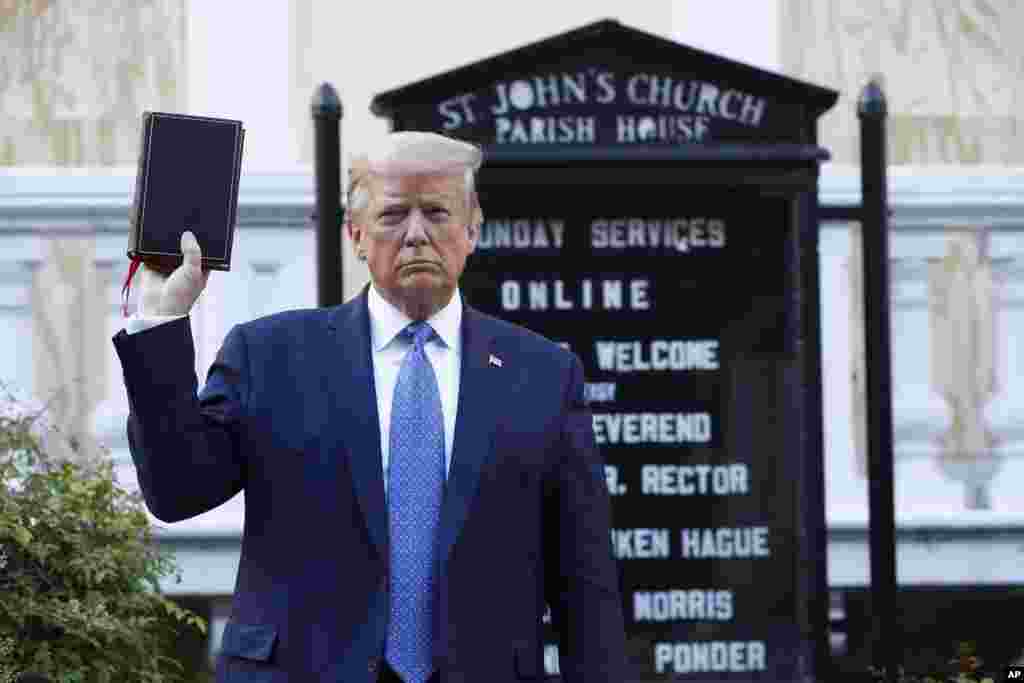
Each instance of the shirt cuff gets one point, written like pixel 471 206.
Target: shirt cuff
pixel 138 323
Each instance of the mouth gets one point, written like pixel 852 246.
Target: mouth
pixel 420 265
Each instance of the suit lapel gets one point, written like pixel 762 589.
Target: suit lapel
pixel 474 425
pixel 353 392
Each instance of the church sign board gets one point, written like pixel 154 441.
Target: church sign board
pixel 653 208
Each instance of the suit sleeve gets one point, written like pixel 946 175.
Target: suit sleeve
pixel 581 576
pixel 186 447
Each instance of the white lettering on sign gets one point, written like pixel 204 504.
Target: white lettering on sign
pixel 680 234
pixel 634 428
pixel 698 97
pixel 694 480
pixel 457 111
pixel 551 662
pixel 640 543
pixel 546 295
pixel 663 108
pixel 683 605
pixel 712 655
pixel 540 92
pixel 724 542
pixel 611 475
pixel 630 128
pixel 599 392
pixel 521 233
pixel 657 355
pixel 545 129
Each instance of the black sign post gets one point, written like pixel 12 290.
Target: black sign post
pixel 873 215
pixel 875 235
pixel 327 112
pixel 654 208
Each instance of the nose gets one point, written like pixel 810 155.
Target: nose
pixel 417 232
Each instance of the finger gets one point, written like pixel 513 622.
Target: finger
pixel 164 270
pixel 191 250
pixel 151 289
pixel 153 272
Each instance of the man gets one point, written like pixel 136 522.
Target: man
pixel 420 478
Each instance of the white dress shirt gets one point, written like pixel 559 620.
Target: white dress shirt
pixel 389 350
pixel 138 322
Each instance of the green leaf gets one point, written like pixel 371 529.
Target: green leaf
pixel 22 535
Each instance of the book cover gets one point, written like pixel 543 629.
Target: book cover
pixel 188 174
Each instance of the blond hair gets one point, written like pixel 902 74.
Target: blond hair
pixel 412 153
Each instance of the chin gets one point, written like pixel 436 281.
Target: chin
pixel 427 300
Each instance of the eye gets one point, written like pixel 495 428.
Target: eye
pixel 437 212
pixel 392 215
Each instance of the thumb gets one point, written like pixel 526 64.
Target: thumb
pixel 191 250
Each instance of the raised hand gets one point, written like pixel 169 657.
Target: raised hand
pixel 174 294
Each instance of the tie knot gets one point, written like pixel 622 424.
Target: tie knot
pixel 419 332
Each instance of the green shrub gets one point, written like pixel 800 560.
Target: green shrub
pixel 79 565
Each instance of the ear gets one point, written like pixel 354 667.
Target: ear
pixel 476 221
pixel 354 232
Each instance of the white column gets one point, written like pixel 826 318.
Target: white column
pixel 964 305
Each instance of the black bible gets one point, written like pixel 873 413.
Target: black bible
pixel 189 168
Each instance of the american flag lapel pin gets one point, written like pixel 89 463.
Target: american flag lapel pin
pixel 494 360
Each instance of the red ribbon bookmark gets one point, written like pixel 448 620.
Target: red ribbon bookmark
pixel 127 285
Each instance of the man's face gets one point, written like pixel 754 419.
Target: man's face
pixel 416 232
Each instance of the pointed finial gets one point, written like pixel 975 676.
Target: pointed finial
pixel 872 99
pixel 326 102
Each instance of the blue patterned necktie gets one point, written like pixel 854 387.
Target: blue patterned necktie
pixel 416 472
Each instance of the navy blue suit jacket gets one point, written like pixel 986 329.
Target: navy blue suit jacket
pixel 289 415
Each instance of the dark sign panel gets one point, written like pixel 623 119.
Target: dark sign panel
pixel 679 308
pixel 685 282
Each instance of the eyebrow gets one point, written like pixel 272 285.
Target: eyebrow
pixel 427 197
pixel 392 201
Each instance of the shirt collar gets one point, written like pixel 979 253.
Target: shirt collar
pixel 386 321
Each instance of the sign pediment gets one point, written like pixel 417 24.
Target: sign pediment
pixel 609 84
